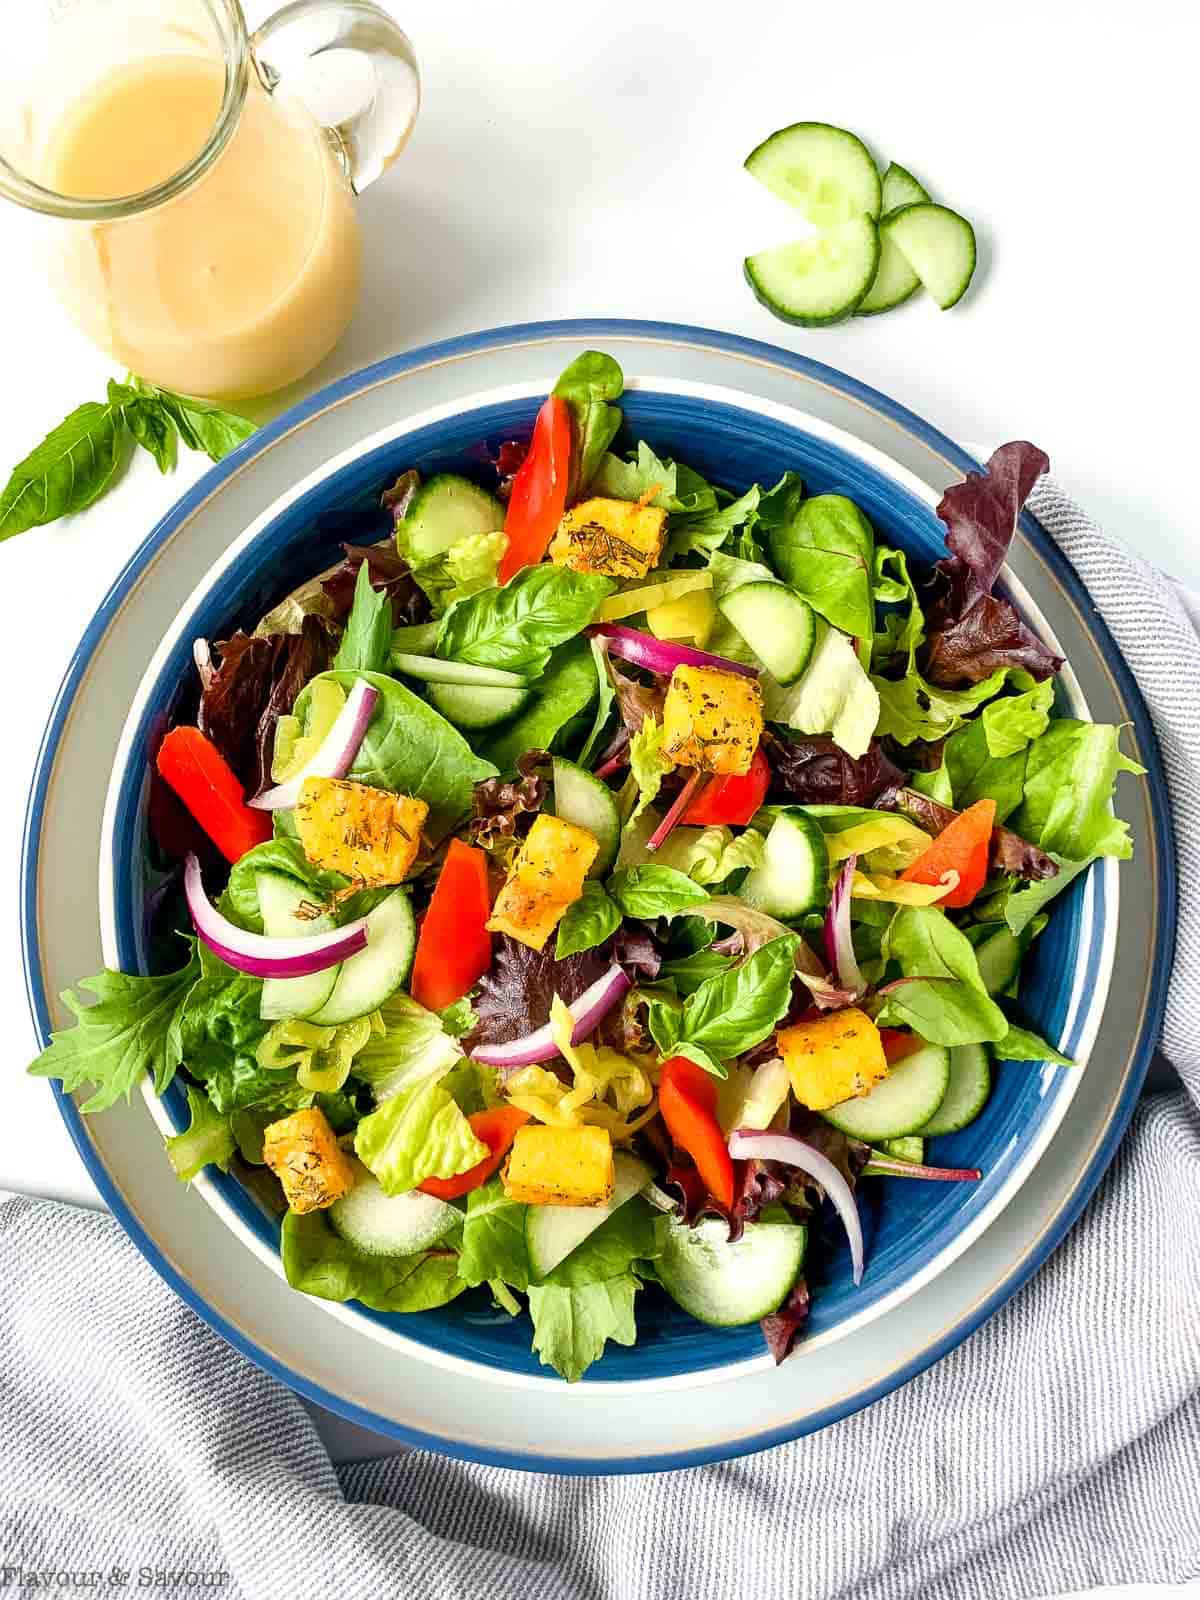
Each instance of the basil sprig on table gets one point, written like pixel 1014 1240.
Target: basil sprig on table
pixel 77 461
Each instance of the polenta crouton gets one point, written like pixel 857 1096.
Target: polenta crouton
pixel 620 538
pixel 552 1166
pixel 303 1153
pixel 712 720
pixel 369 834
pixel 833 1058
pixel 548 874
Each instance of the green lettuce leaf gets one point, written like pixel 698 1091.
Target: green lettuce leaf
pixel 516 627
pixel 319 1262
pixel 416 1134
pixel 679 488
pixel 589 385
pixel 634 1232
pixel 415 1047
pixel 955 1008
pixel 703 532
pixel 458 1019
pixel 366 644
pixel 1022 1044
pixel 493 1243
pixel 709 855
pixel 207 1138
pixel 825 549
pixel 564 691
pixel 911 709
pixel 834 695
pixel 1011 723
pixel 587 922
pixel 605 696
pixel 648 765
pixel 1069 781
pixel 464 568
pixel 572 1326
pixel 976 774
pixel 1022 901
pixel 732 1012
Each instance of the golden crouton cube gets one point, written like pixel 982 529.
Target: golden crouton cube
pixel 712 720
pixel 303 1153
pixel 620 538
pixel 369 834
pixel 833 1058
pixel 547 875
pixel 560 1166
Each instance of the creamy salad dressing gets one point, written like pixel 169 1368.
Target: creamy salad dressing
pixel 246 280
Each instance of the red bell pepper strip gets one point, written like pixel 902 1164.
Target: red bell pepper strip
pixel 497 1128
pixel 731 800
pixel 539 491
pixel 962 847
pixel 454 949
pixel 209 788
pixel 898 1043
pixel 687 1098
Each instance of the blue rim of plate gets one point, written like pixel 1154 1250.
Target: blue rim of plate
pixel 599 329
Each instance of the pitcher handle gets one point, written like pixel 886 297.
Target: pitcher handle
pixel 355 71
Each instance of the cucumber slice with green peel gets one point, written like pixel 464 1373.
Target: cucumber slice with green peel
pixel 366 980
pixel 938 245
pixel 827 173
pixel 588 803
pixel 900 188
pixel 477 706
pixel 794 876
pixel 903 1103
pixel 416 638
pixel 430 669
pixel 443 511
pixel 281 900
pixel 967 1092
pixel 910 1148
pixel 727 1284
pixel 553 1232
pixel 895 282
pixel 379 1224
pixel 818 280
pixel 776 623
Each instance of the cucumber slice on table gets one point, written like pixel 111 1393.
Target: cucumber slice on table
pixel 827 173
pixel 431 669
pixel 281 900
pixel 727 1284
pixel 967 1092
pixel 473 706
pixel 553 1232
pixel 794 876
pixel 584 800
pixel 776 623
pixel 365 980
pixel 903 1103
pixel 900 188
pixel 896 281
pixel 817 280
pixel 443 511
pixel 938 244
pixel 379 1224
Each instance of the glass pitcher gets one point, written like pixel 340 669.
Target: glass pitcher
pixel 201 178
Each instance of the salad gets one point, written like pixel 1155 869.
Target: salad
pixel 566 899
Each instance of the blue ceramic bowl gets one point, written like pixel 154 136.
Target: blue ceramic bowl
pixel 912 1227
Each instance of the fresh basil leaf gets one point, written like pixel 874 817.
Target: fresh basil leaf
pixel 737 1010
pixel 1022 1044
pixel 634 1232
pixel 516 627
pixel 826 552
pixel 319 1262
pixel 564 691
pixel 202 425
pixel 664 1019
pixel 687 973
pixel 953 1009
pixel 149 424
pixel 493 1243
pixel 416 1134
pixel 132 1028
pixel 411 750
pixel 1069 781
pixel 207 1139
pixel 367 642
pixel 588 922
pixel 66 473
pixel 606 694
pixel 572 1326
pixel 588 385
pixel 285 856
pixel 649 892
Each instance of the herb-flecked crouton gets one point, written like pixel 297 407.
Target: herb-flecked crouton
pixel 833 1058
pixel 303 1153
pixel 712 720
pixel 369 834
pixel 620 538
pixel 547 875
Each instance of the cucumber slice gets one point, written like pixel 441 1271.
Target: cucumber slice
pixel 776 623
pixel 280 899
pixel 553 1232
pixel 794 876
pixel 999 957
pixel 429 669
pixel 895 282
pixel 900 188
pixel 938 244
pixel 443 511
pixel 818 280
pixel 910 1148
pixel 379 1224
pixel 966 1095
pixel 416 638
pixel 366 980
pixel 468 706
pixel 584 800
pixel 903 1103
pixel 827 173
pixel 727 1284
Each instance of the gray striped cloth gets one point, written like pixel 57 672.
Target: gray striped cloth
pixel 1057 1449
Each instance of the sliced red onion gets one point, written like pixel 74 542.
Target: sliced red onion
pixel 589 1011
pixel 334 756
pixel 884 1166
pixel 839 939
pixel 202 656
pixel 660 655
pixel 747 1144
pixel 257 955
pixel 675 815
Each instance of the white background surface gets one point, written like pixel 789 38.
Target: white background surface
pixel 585 161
